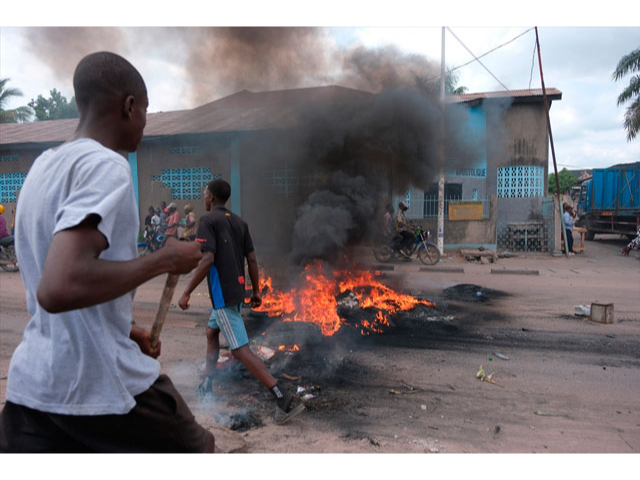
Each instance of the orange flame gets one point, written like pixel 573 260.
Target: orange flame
pixel 287 348
pixel 315 300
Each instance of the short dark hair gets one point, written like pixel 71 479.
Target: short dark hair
pixel 103 76
pixel 220 189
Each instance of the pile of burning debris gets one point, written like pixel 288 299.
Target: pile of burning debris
pixel 303 334
pixel 333 299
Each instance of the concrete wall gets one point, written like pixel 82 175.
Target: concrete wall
pixel 179 152
pixel 17 160
pixel 466 233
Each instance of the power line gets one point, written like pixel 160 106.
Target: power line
pixel 477 59
pixel 533 56
pixel 490 51
pixel 483 55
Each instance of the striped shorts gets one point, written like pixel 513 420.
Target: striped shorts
pixel 229 321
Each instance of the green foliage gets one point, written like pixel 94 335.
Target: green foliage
pixel 55 107
pixel 432 85
pixel 20 114
pixel 566 180
pixel 630 63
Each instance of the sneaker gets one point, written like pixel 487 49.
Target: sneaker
pixel 281 417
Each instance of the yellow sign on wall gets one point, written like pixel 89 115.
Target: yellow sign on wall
pixel 465 211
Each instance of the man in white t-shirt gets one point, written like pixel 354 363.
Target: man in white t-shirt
pixel 84 379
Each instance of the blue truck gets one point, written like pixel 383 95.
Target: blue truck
pixel 609 202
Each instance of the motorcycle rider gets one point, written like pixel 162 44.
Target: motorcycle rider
pixel 5 238
pixel 404 230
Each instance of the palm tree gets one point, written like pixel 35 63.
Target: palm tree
pixel 20 114
pixel 630 63
pixel 432 85
pixel 451 83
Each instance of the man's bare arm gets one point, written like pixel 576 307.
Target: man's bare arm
pixel 254 275
pixel 199 274
pixel 74 277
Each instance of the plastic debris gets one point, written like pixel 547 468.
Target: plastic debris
pixel 308 396
pixel 500 356
pixel 487 378
pixel 583 310
pixel 265 353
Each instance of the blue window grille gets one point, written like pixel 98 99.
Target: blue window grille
pixel 9 158
pixel 520 182
pixel 10 184
pixel 186 183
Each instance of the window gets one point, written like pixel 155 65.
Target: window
pixel 520 182
pixel 452 191
pixel 10 183
pixel 186 183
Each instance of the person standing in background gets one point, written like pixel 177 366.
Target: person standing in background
pixel 569 221
pixel 173 220
pixel 190 222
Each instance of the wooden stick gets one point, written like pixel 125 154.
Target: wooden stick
pixel 163 308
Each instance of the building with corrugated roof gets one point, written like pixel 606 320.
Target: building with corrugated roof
pixel 238 138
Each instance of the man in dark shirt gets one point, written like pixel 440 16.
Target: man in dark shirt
pixel 225 242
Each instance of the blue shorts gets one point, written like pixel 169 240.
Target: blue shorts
pixel 229 321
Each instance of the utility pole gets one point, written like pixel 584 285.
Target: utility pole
pixel 553 150
pixel 442 137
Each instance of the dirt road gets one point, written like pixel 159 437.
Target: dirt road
pixel 565 384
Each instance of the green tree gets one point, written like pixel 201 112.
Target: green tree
pixel 630 63
pixel 20 114
pixel 432 85
pixel 565 178
pixel 55 107
pixel 451 87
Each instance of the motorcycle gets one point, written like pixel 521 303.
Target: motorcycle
pixel 426 251
pixel 8 259
pixel 153 240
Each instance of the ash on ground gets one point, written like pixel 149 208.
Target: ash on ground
pixel 471 293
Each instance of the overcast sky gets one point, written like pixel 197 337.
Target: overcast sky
pixel 187 67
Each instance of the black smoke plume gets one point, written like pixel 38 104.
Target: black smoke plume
pixel 363 151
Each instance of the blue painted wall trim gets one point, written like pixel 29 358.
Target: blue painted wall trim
pixel 236 193
pixel 133 164
pixel 475 132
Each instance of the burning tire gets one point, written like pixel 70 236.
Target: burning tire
pixel 292 333
pixel 429 254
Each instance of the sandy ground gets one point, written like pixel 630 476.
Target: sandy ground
pixel 568 386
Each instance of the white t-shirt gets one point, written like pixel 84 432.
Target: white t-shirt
pixel 80 362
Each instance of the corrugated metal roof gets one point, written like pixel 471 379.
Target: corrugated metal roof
pixel 242 111
pixel 552 93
